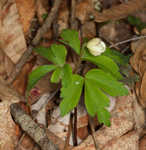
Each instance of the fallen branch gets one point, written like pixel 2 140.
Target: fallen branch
pixel 35 41
pixel 31 128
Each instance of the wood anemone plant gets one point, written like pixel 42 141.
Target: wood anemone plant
pixel 97 83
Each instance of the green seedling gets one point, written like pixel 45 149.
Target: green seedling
pixel 96 84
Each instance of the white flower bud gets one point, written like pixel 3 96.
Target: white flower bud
pixel 96 46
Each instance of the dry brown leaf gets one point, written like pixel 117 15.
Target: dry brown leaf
pixel 8 136
pixel 26 11
pixel 63 17
pixel 5 62
pixel 11 34
pixel 143 91
pixel 107 4
pixel 114 32
pixel 120 11
pixel 20 83
pixel 42 7
pixel 139 116
pixel 83 9
pixel 142 62
pixel 142 144
pixel 138 47
pixel 122 121
pixel 138 62
pixel 89 29
pixel 141 14
pixel 7 93
pixel 126 142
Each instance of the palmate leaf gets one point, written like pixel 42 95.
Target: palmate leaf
pixel 56 53
pixel 96 101
pixel 71 94
pixel 103 116
pixel 66 78
pixel 66 75
pixel 116 56
pixel 103 62
pixel 37 74
pixel 107 82
pixel 97 83
pixel 71 38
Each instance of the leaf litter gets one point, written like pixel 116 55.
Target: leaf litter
pixel 127 122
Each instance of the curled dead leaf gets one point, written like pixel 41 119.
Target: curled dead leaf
pixel 142 91
pixel 139 47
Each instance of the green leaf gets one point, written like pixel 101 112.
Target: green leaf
pixel 71 38
pixel 135 21
pixel 56 76
pixel 116 56
pixel 56 53
pixel 103 62
pixel 43 51
pixel 94 97
pixel 71 94
pixel 107 82
pixel 37 74
pixel 96 101
pixel 66 78
pixel 103 116
pixel 66 75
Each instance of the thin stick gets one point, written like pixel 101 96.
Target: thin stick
pixel 35 41
pixel 73 21
pixel 49 97
pixel 129 40
pixel 74 131
pixel 31 128
pixel 92 132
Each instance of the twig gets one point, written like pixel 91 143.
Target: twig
pixel 129 40
pixel 35 41
pixel 92 132
pixel 31 128
pixel 74 131
pixel 48 97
